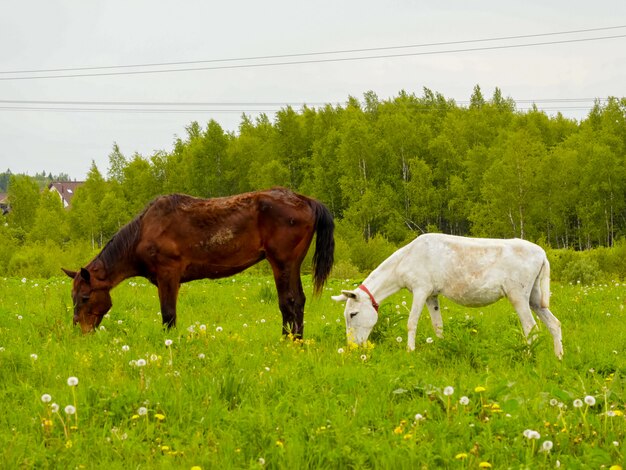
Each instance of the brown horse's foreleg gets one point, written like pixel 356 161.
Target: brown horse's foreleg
pixel 168 294
pixel 291 300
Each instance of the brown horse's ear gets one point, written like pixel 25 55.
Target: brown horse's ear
pixel 71 274
pixel 85 274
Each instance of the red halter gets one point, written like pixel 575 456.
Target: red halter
pixel 366 290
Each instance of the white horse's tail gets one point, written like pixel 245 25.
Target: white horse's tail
pixel 544 284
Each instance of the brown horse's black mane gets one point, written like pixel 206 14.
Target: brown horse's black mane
pixel 123 243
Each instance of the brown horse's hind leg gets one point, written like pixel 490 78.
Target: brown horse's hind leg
pixel 291 299
pixel 168 294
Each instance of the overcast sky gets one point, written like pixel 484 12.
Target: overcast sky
pixel 91 111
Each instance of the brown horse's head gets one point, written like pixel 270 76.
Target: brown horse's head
pixel 92 299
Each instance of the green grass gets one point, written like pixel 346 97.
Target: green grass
pixel 243 397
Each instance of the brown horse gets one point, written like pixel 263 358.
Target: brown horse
pixel 180 238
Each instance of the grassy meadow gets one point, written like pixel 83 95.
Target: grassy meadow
pixel 224 390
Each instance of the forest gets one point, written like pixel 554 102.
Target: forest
pixel 388 170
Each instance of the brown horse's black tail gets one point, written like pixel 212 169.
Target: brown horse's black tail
pixel 324 245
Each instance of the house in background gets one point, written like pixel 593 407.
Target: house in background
pixel 4 204
pixel 65 190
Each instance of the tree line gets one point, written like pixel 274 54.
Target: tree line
pixel 387 169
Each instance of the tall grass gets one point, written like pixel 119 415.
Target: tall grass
pixel 230 392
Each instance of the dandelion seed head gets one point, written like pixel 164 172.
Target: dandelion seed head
pixel 141 362
pixel 530 434
pixel 590 400
pixel 142 411
pixel 46 398
pixel 363 357
pixel 464 401
pixel 201 356
pixel 429 340
pixel 399 339
pixel 70 410
pixel 168 342
pixel 340 350
pixel 578 403
pixel 34 356
pixel 72 381
pixel 54 407
pixel 126 348
pixel 448 391
pixel 547 446
pixel 218 329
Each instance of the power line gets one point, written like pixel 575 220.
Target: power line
pixel 220 111
pixel 309 54
pixel 315 61
pixel 164 103
pixel 246 104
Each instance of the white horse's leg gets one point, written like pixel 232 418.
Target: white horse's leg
pixel 416 310
pixel 553 323
pixel 522 307
pixel 545 315
pixel 554 326
pixel 435 315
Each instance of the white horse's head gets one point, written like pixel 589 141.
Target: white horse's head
pixel 360 314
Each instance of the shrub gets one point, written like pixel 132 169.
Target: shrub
pixel 583 269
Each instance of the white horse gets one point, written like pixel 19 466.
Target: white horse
pixel 470 271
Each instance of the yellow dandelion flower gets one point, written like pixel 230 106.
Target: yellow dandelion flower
pixel 368 346
pixel 618 412
pixel 196 467
pixel 495 408
pixel 615 467
pixel 480 389
pixel 68 444
pixel 461 456
pixel 484 465
pixel 408 437
pixel 398 430
pixel 165 448
pixel 280 443
pixel 134 417
pixel 159 416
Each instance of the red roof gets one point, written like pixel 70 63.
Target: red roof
pixel 65 189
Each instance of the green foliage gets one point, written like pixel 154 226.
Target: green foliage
pixel 387 169
pixel 23 196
